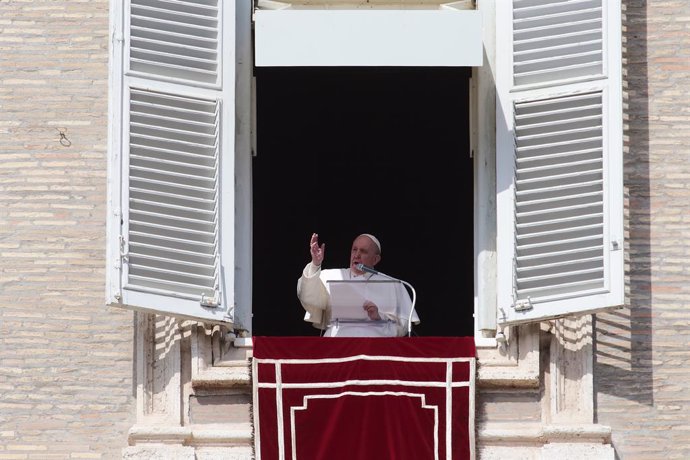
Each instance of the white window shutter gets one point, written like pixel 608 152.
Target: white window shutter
pixel 559 159
pixel 170 131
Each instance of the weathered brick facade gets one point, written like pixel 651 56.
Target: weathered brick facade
pixel 66 361
pixel 642 370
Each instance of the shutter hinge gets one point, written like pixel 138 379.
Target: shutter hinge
pixel 616 245
pixel 523 304
pixel 118 38
pixel 211 302
pixel 124 253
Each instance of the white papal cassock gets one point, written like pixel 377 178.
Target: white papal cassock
pixel 313 293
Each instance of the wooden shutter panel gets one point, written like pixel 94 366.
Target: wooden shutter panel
pixel 559 160
pixel 167 173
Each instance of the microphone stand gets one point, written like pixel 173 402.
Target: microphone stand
pixel 364 268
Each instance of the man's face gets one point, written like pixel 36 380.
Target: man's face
pixel 364 251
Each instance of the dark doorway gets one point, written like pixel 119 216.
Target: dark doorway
pixel 344 151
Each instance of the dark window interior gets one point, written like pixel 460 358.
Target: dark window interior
pixel 344 151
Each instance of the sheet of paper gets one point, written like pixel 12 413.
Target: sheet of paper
pixel 348 298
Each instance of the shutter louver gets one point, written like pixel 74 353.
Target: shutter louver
pixel 173 194
pixel 559 219
pixel 556 40
pixel 175 40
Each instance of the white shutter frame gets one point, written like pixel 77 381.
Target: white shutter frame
pixel 205 131
pixel 514 305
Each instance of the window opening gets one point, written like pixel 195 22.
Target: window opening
pixel 342 151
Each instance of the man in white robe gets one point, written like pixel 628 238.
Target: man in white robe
pixel 313 291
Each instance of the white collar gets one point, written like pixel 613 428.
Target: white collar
pixel 365 275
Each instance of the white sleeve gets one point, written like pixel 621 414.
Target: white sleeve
pixel 313 295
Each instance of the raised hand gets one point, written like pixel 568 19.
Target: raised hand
pixel 317 252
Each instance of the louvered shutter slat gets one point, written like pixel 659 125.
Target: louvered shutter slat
pixel 556 45
pixel 567 237
pixel 555 224
pixel 174 120
pixel 187 50
pixel 547 181
pixel 171 156
pixel 167 253
pixel 146 225
pixel 174 265
pixel 173 188
pixel 542 258
pixel 549 211
pixel 184 137
pixel 536 272
pixel 561 245
pixel 549 158
pixel 172 198
pixel 177 71
pixel 153 270
pixel 156 286
pixel 590 164
pixel 583 286
pixel 545 200
pixel 190 181
pixel 195 246
pixel 561 190
pixel 177 220
pixel 554 148
pixel 171 167
pixel 541 45
pixel 173 105
pixel 168 209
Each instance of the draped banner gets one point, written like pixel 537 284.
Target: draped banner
pixel 363 398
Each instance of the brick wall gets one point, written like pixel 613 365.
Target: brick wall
pixel 642 372
pixel 65 359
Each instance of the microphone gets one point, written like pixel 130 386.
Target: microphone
pixel 364 268
pixel 367 269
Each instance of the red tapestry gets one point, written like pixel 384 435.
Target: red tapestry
pixel 363 398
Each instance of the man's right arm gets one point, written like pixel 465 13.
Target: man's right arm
pixel 310 288
pixel 312 294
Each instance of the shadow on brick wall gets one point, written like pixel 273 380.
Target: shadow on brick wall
pixel 623 353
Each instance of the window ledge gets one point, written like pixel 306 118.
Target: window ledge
pixel 215 434
pixel 223 377
pixel 511 377
pixel 542 434
pixel 513 362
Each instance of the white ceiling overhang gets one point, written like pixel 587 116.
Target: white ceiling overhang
pixel 442 37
